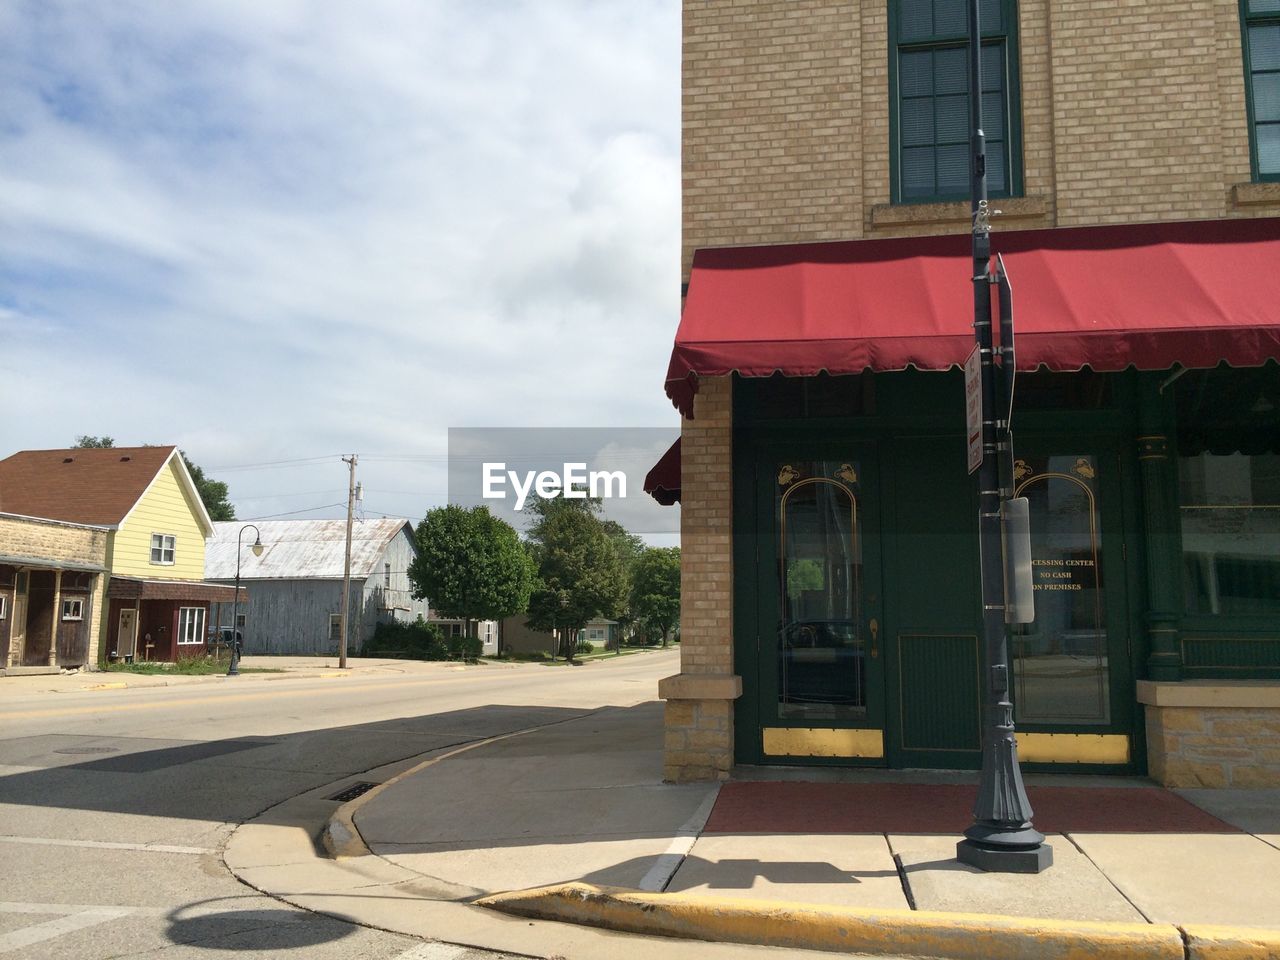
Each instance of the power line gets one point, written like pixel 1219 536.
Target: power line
pixel 272 516
pixel 272 463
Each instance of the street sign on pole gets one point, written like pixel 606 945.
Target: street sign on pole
pixel 973 407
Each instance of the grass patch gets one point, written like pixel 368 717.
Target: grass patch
pixel 187 667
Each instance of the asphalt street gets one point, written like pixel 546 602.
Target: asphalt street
pixel 116 804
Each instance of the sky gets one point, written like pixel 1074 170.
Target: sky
pixel 274 233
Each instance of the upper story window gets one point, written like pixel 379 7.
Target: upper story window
pixel 929 99
pixel 1261 21
pixel 162 548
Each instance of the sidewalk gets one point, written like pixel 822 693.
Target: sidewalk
pixel 583 801
pixel 283 668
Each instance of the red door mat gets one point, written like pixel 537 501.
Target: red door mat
pixel 796 807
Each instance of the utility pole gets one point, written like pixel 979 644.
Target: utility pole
pixel 1001 838
pixel 346 566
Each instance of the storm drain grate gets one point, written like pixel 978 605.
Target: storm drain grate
pixel 86 751
pixel 353 791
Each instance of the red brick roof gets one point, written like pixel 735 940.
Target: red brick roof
pixel 79 485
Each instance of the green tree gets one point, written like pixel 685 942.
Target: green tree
pixel 213 493
pixel 630 549
pixel 471 565
pixel 655 591
pixel 580 573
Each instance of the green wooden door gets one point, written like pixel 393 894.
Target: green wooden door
pixel 819 605
pixel 934 604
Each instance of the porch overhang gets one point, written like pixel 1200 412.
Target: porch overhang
pixel 1149 296
pixel 130 588
pixel 49 563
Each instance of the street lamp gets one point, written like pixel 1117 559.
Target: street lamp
pixel 257 548
pixel 1002 838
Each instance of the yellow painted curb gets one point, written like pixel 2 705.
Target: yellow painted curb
pixel 946 936
pixel 1205 942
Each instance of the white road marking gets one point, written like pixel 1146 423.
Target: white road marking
pixel 38 933
pixel 109 845
pixel 665 867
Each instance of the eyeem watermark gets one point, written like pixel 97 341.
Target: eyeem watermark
pixel 507 470
pixel 574 482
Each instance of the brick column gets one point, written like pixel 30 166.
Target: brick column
pixel 699 710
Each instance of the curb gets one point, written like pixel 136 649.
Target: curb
pixel 341 837
pixel 1207 942
pixel 939 936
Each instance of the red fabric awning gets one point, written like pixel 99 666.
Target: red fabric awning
pixel 1143 295
pixel 663 481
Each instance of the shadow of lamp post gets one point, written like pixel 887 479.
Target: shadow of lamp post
pixel 257 548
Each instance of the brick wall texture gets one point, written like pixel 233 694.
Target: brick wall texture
pixel 1130 112
pixel 699 733
pixel 35 538
pixel 1214 746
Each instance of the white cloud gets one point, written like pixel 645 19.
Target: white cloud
pixel 281 230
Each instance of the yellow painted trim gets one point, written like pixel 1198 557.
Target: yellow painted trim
pixel 1073 747
pixel 846 930
pixel 815 742
pixel 1206 942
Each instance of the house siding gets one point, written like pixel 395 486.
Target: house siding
pixel 396 600
pixel 164 508
pixel 290 615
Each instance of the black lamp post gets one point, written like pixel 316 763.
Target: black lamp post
pixel 234 669
pixel 1001 838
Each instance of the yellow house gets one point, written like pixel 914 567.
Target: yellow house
pixel 157 601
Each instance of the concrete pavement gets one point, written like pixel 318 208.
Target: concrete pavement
pixel 283 668
pixel 117 803
pixel 582 800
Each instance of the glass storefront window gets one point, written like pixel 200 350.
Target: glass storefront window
pixel 1231 534
pixel 821 670
pixel 1060 668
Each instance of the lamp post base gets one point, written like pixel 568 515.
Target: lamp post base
pixel 1033 859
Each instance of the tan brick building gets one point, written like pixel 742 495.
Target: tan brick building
pixel 51 593
pixel 829 539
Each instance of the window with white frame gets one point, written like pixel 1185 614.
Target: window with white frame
pixel 73 609
pixel 191 625
pixel 162 548
pixel 4 607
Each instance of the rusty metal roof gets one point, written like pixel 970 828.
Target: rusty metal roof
pixel 300 549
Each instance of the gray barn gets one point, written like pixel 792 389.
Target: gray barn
pixel 294 590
